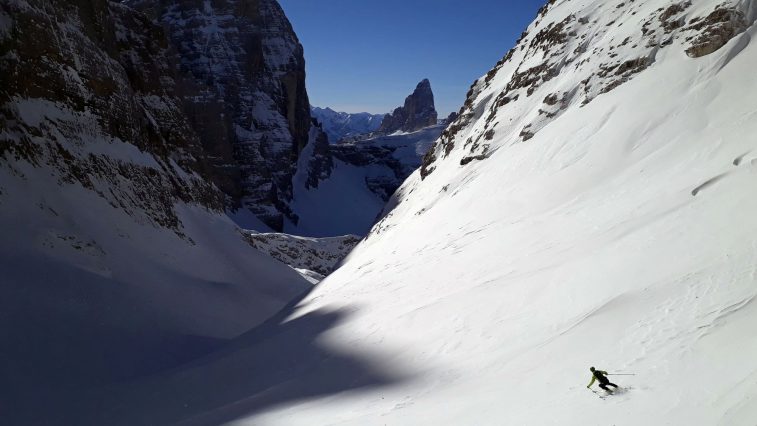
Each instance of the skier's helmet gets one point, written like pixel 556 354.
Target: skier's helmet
pixel 591 369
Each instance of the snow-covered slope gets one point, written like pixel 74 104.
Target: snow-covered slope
pixel 116 258
pixel 593 205
pixel 338 125
pixel 620 235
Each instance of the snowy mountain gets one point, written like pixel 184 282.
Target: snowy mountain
pixel 592 205
pixel 351 181
pixel 117 257
pixel 244 94
pixel 339 125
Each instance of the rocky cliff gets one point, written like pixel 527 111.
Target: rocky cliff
pixel 245 95
pixel 417 112
pixel 314 258
pixel 69 92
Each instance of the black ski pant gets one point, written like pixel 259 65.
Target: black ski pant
pixel 604 386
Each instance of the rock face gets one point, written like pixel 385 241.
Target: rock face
pixel 340 125
pixel 715 30
pixel 401 154
pixel 245 94
pixel 319 255
pixel 316 161
pixel 109 79
pixel 418 112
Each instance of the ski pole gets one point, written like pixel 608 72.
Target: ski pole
pixel 621 374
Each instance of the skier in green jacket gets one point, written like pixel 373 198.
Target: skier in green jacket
pixel 600 376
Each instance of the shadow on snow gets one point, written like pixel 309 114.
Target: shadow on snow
pixel 276 364
pixel 63 369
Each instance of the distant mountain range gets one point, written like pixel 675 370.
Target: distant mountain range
pixel 338 125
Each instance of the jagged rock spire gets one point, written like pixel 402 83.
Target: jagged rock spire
pixel 418 111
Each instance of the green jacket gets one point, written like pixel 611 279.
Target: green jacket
pixel 594 377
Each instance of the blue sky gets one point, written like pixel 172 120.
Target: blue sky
pixel 368 55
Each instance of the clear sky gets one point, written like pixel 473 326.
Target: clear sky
pixel 368 55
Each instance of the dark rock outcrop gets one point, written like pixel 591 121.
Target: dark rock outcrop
pixel 418 112
pixel 102 80
pixel 317 158
pixel 388 152
pixel 245 94
pixel 320 255
pixel 715 30
pixel 450 118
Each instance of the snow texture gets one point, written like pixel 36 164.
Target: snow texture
pixel 620 235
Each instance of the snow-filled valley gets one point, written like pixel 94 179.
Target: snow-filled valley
pixel 591 205
pixel 366 172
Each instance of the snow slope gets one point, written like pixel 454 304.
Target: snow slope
pixel 94 294
pixel 620 235
pixel 116 259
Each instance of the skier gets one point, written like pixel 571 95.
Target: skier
pixel 601 377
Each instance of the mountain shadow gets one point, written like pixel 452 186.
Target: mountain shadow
pixel 276 364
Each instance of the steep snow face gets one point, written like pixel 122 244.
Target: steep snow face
pixel 592 205
pixel 339 125
pixel 117 260
pixel 572 56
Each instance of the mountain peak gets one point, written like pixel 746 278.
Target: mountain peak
pixel 417 112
